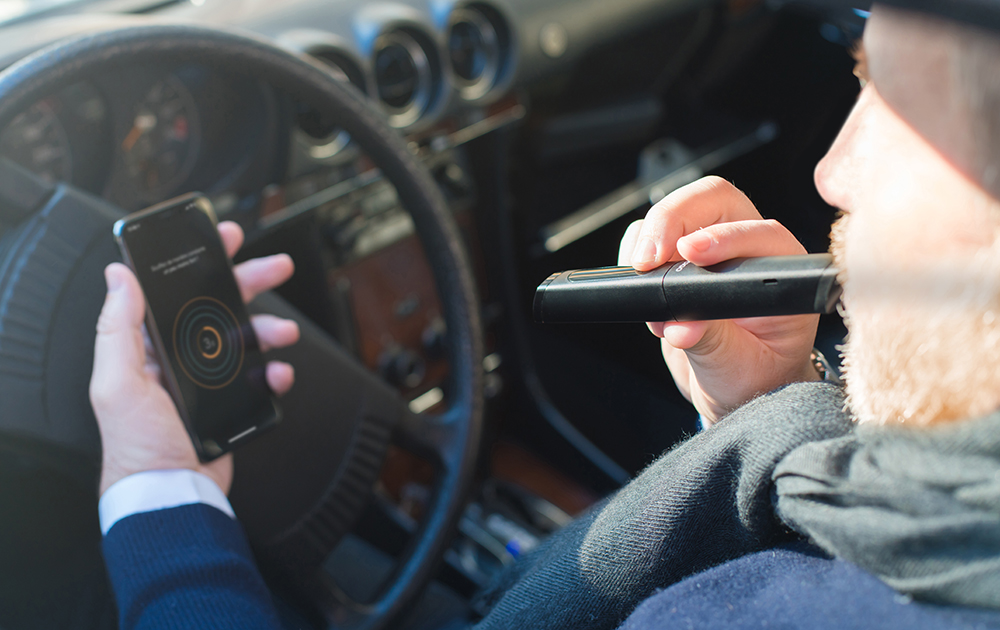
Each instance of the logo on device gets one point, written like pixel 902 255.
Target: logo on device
pixel 208 343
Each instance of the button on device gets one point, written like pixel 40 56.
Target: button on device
pixel 208 343
pixel 603 273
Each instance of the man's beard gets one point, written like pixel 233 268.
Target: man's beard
pixel 923 346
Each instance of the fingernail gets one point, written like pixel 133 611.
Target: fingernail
pixel 699 241
pixel 645 252
pixel 113 279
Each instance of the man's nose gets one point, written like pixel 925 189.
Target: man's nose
pixel 825 178
pixel 836 174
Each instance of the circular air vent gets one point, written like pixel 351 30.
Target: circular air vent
pixel 478 49
pixel 405 76
pixel 474 51
pixel 322 139
pixel 341 66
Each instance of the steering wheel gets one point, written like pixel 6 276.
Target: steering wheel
pixel 299 489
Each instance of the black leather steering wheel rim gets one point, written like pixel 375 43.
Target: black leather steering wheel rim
pixel 48 70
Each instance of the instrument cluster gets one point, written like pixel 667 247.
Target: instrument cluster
pixel 64 137
pixel 147 134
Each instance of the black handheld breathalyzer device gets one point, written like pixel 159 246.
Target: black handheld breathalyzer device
pixel 682 291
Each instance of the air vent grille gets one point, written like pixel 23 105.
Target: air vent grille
pixel 479 49
pixel 406 77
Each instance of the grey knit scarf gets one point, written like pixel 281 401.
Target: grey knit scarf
pixel 917 507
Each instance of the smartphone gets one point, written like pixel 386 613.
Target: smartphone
pixel 212 364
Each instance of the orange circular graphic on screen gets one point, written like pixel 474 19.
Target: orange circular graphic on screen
pixel 208 343
pixel 213 340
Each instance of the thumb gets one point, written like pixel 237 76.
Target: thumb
pixel 696 338
pixel 119 350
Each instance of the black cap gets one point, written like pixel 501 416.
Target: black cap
pixel 982 13
pixel 921 84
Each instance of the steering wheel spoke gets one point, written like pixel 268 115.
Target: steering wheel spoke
pixel 432 436
pixel 22 193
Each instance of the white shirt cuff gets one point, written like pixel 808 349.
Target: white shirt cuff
pixel 158 490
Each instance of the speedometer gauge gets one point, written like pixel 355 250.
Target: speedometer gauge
pixel 161 148
pixel 37 141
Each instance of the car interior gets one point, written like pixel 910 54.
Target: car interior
pixel 426 163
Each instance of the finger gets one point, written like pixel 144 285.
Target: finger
pixel 119 349
pixel 280 377
pixel 232 237
pixel 152 366
pixel 725 241
pixel 708 201
pixel 625 259
pixel 274 332
pixel 147 343
pixel 258 275
pixel 686 335
pixel 628 243
pixel 679 366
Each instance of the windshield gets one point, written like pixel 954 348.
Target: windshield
pixel 13 9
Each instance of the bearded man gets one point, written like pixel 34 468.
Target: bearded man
pixel 800 508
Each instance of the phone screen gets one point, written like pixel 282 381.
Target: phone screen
pixel 204 331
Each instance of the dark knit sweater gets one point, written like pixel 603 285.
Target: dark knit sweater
pixel 705 502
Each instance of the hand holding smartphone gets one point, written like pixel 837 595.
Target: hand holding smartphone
pixel 196 320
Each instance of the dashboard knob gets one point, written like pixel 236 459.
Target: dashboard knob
pixel 453 180
pixel 402 368
pixel 433 339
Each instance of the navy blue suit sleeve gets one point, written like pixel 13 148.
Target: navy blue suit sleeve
pixel 187 567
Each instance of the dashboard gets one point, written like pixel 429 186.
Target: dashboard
pixel 149 133
pixel 432 66
pixel 443 72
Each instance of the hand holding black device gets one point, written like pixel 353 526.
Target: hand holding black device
pixel 681 291
pixel 199 326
